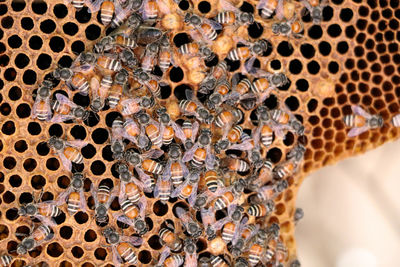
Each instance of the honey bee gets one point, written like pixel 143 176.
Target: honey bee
pixel 190 253
pixel 149 59
pixel 134 214
pixel 292 27
pixel 283 119
pixel 128 58
pixel 233 15
pixel 235 223
pixel 142 163
pixel 197 49
pixel 117 144
pixel 227 118
pixel 361 121
pixel 41 108
pixel 193 107
pixel 269 192
pixel 130 106
pixel 217 261
pixel 231 139
pixel 190 130
pixel 102 196
pixel 192 227
pixel 257 249
pixel 200 153
pixel 104 45
pixel 268 7
pixel 43 211
pixel 247 232
pixel 213 180
pixel 74 196
pixel 261 209
pixel 315 7
pixel 130 186
pixel 124 11
pixel 228 196
pixel 74 78
pixel 67 151
pixel 152 9
pixel 396 120
pixel 117 88
pixel 5 260
pixel 122 246
pixel 211 226
pixel 149 81
pixel 168 128
pixel 298 215
pixel 175 169
pixel 235 164
pixel 100 87
pixel 78 4
pixel 108 8
pixel 131 130
pixel 207 28
pixel 67 110
pixel 170 239
pixel 250 51
pixel 109 63
pixel 165 56
pixel 129 26
pixel 188 189
pixel 38 236
pixel 151 128
pixel 239 90
pixel 166 260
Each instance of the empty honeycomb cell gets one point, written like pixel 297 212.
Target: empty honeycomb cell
pixel 255 30
pixel 22 231
pixel 107 154
pixel 23 110
pixel 360 38
pixel 56 130
pixel 11 214
pixel 144 256
pixel 324 48
pixel 154 242
pixel 90 236
pixel 8 197
pixel 54 250
pixel 29 77
pixel 274 154
pixel 334 30
pixel 77 252
pixel 39 7
pixel 8 127
pixel 30 164
pixel 280 209
pixel 20 146
pixel 393 47
pixel 326 123
pixel 81 217
pixel 97 167
pixel 57 44
pixel 7 22
pixel 295 66
pixel 4 60
pixel 34 128
pixel 159 208
pixel 176 74
pixel 21 61
pixel 346 14
pixel 10 74
pixel 52 164
pixel 38 182
pixel 285 49
pixel 100 253
pixel 204 7
pixel 315 32
pixel 3 9
pixel 27 23
pixel 313 67
pixel 43 61
pixel 35 42
pixel 70 28
pixel 5 110
pixel 47 26
pixel 25 198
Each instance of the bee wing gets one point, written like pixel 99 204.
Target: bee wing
pixel 228 6
pixel 84 68
pixel 93 6
pixel 359 111
pixel 248 66
pixel 189 153
pixel 218 224
pixel 178 131
pixel 121 195
pixel 76 143
pixel 153 153
pixel 177 190
pixel 94 85
pixel 66 162
pixel 195 129
pixel 63 197
pixel 138 183
pixel 164 255
pixel 210 158
pixel 163 7
pixel 134 240
pixel 189 94
pixel 239 229
pixel 144 177
pixel 142 204
pixel 357 131
pixel 193 195
pixel 213 24
pixel 180 212
pixel 65 100
pixel 116 258
pixel 167 171
pixel 279 9
pixel 82 201
pixel 122 218
pixel 245 146
pixel 185 170
pixel 94 195
pixel 306 4
pixel 207 216
pixel 261 4
pixel 256 135
pixel 46 220
pixel 60 118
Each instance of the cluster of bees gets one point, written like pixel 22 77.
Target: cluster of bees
pixel 188 158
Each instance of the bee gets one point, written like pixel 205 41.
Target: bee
pixel 230 140
pixel 228 196
pixel 147 35
pixel 74 78
pixel 67 110
pixel 41 108
pixel 396 120
pixel 233 16
pixel 315 7
pixel 261 210
pixel 166 260
pixel 268 7
pixel 131 130
pixel 44 211
pixel 232 227
pixel 175 169
pixel 361 121
pixel 227 118
pixel 193 107
pixel 124 11
pixel 117 88
pixel 151 128
pixel 117 144
pixel 292 163
pixel 152 9
pixel 149 81
pixel 109 63
pixel 217 261
pixel 283 119
pixel 250 51
pixel 107 9
pixel 67 151
pixel 170 239
pixel 141 164
pixel 188 189
pixel 280 252
pixel 298 215
pixel 74 195
pixel 165 56
pixel 190 130
pixel 190 253
pixel 5 260
pixel 207 28
pixel 200 153
pixel 168 128
pixel 102 196
pixel 78 4
pixel 241 262
pixel 129 26
pixel 192 227
pixel 130 186
pixel 197 49
pixel 126 42
pixel 122 246
pixel 292 27
pixel 236 164
pixel 211 226
pixel 100 87
pixel 269 192
pixel 247 232
pixel 130 106
pixel 134 214
pixel 149 59
pixel 213 180
pixel 37 237
pixel 220 94
pixel 128 58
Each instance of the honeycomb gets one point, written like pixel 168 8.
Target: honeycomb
pixel 348 59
